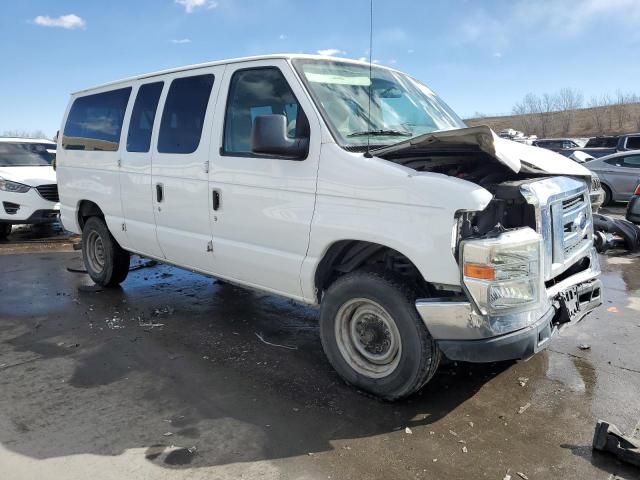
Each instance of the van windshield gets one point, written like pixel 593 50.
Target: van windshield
pixel 26 154
pixel 401 107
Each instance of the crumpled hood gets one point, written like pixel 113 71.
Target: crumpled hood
pixel 32 176
pixel 516 156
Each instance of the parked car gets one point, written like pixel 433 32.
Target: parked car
pixel 28 189
pixel 633 208
pixel 416 236
pixel 619 174
pixel 607 145
pixel 596 193
pixel 556 144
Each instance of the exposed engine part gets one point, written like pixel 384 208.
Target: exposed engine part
pixel 612 233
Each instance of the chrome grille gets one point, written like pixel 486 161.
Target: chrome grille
pixel 49 192
pixel 563 218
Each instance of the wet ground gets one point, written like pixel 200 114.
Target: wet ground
pixel 178 376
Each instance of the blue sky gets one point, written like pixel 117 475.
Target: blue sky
pixel 480 56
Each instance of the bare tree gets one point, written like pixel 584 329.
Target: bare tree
pixel 24 133
pixel 621 109
pixel 568 100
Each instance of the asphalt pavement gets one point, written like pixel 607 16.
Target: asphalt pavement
pixel 179 376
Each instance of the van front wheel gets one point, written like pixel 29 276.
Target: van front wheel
pixel 106 262
pixel 373 336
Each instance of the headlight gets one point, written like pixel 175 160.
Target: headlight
pixel 503 273
pixel 13 187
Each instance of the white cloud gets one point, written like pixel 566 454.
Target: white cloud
pixel 282 36
pixel 497 55
pixel 331 52
pixel 393 61
pixel 363 59
pixel 181 40
pixel 191 5
pixel 411 50
pixel 69 22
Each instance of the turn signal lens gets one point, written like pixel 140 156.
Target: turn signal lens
pixel 481 272
pixel 637 192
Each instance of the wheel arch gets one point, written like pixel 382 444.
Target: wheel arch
pixel 87 209
pixel 344 256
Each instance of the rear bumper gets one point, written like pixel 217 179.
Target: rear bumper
pixel 464 335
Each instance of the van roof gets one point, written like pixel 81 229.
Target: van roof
pixel 281 56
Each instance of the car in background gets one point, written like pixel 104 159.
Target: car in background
pixel 596 193
pixel 556 144
pixel 607 145
pixel 28 188
pixel 619 174
pixel 633 208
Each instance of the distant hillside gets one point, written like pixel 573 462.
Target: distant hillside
pixel 585 122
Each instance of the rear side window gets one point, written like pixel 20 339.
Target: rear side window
pixel 95 121
pixel 142 117
pixel 633 143
pixel 632 161
pixel 602 142
pixel 259 91
pixel 183 115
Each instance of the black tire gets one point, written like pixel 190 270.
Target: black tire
pixel 5 230
pixel 106 262
pixel 607 196
pixel 418 357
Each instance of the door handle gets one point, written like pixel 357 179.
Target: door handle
pixel 216 199
pixel 159 192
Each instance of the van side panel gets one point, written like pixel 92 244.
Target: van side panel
pixel 89 175
pixel 377 201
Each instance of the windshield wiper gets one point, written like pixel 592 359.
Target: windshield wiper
pixel 381 133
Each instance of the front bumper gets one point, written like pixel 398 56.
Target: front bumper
pixel 28 207
pixel 464 335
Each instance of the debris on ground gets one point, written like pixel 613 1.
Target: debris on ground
pixel 166 310
pixel 408 431
pixel 471 424
pixel 167 434
pixel 608 438
pixel 522 476
pixel 453 433
pixel 261 338
pixel 524 408
pixel 584 346
pixel 507 477
pixel 523 381
pixel 464 450
pixel 612 310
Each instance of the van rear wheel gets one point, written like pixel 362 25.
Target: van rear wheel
pixel 373 336
pixel 106 262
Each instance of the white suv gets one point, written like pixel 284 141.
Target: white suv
pixel 310 178
pixel 28 190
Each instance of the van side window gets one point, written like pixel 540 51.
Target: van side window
pixel 259 91
pixel 95 121
pixel 142 117
pixel 183 115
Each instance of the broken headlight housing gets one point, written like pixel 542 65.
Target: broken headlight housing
pixel 502 273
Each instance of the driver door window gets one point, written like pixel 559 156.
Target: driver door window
pixel 254 92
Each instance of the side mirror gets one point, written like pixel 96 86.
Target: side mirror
pixel 269 136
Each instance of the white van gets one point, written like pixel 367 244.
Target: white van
pixel 28 190
pixel 418 237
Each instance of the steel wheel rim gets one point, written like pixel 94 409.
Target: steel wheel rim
pixel 368 338
pixel 95 252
